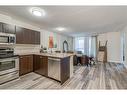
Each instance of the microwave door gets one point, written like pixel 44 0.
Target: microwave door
pixel 4 39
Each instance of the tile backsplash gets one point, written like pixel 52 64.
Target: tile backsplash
pixel 27 48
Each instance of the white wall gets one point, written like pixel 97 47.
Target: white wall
pixel 113 45
pixel 59 38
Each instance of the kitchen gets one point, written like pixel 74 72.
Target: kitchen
pixel 63 47
pixel 20 55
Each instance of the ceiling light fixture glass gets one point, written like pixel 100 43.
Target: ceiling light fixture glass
pixel 37 12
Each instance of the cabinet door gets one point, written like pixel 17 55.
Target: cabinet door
pixel 26 64
pixel 32 37
pixel 27 36
pixel 65 69
pixel 41 65
pixel 29 63
pixel 1 28
pixel 36 67
pixel 44 65
pixel 7 28
pixel 20 35
pixel 22 65
pixel 37 37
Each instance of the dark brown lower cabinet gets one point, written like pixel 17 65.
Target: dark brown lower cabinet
pixel 41 65
pixel 25 64
pixel 65 69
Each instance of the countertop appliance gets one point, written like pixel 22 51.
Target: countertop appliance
pixel 9 65
pixel 6 38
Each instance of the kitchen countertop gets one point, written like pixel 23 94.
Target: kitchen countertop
pixel 54 55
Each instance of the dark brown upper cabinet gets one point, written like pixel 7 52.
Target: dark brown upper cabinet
pixel 27 36
pixel 19 35
pixel 37 37
pixel 8 28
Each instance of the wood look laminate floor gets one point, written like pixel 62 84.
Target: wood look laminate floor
pixel 99 76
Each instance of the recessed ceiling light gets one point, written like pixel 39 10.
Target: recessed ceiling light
pixel 60 28
pixel 37 11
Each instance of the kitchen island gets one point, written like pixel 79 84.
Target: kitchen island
pixel 58 66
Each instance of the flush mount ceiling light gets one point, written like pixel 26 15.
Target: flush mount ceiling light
pixel 60 29
pixel 37 12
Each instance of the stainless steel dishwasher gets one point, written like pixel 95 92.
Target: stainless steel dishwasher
pixel 54 68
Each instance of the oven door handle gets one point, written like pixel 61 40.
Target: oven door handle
pixel 6 62
pixel 9 59
pixel 8 39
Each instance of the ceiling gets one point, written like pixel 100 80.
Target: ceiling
pixel 78 20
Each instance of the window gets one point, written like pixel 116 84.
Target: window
pixel 87 45
pixel 79 45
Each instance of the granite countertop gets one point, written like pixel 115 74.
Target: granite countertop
pixel 54 55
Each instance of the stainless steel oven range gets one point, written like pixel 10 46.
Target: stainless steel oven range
pixel 9 65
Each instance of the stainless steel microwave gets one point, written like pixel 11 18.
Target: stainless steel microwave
pixel 6 38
